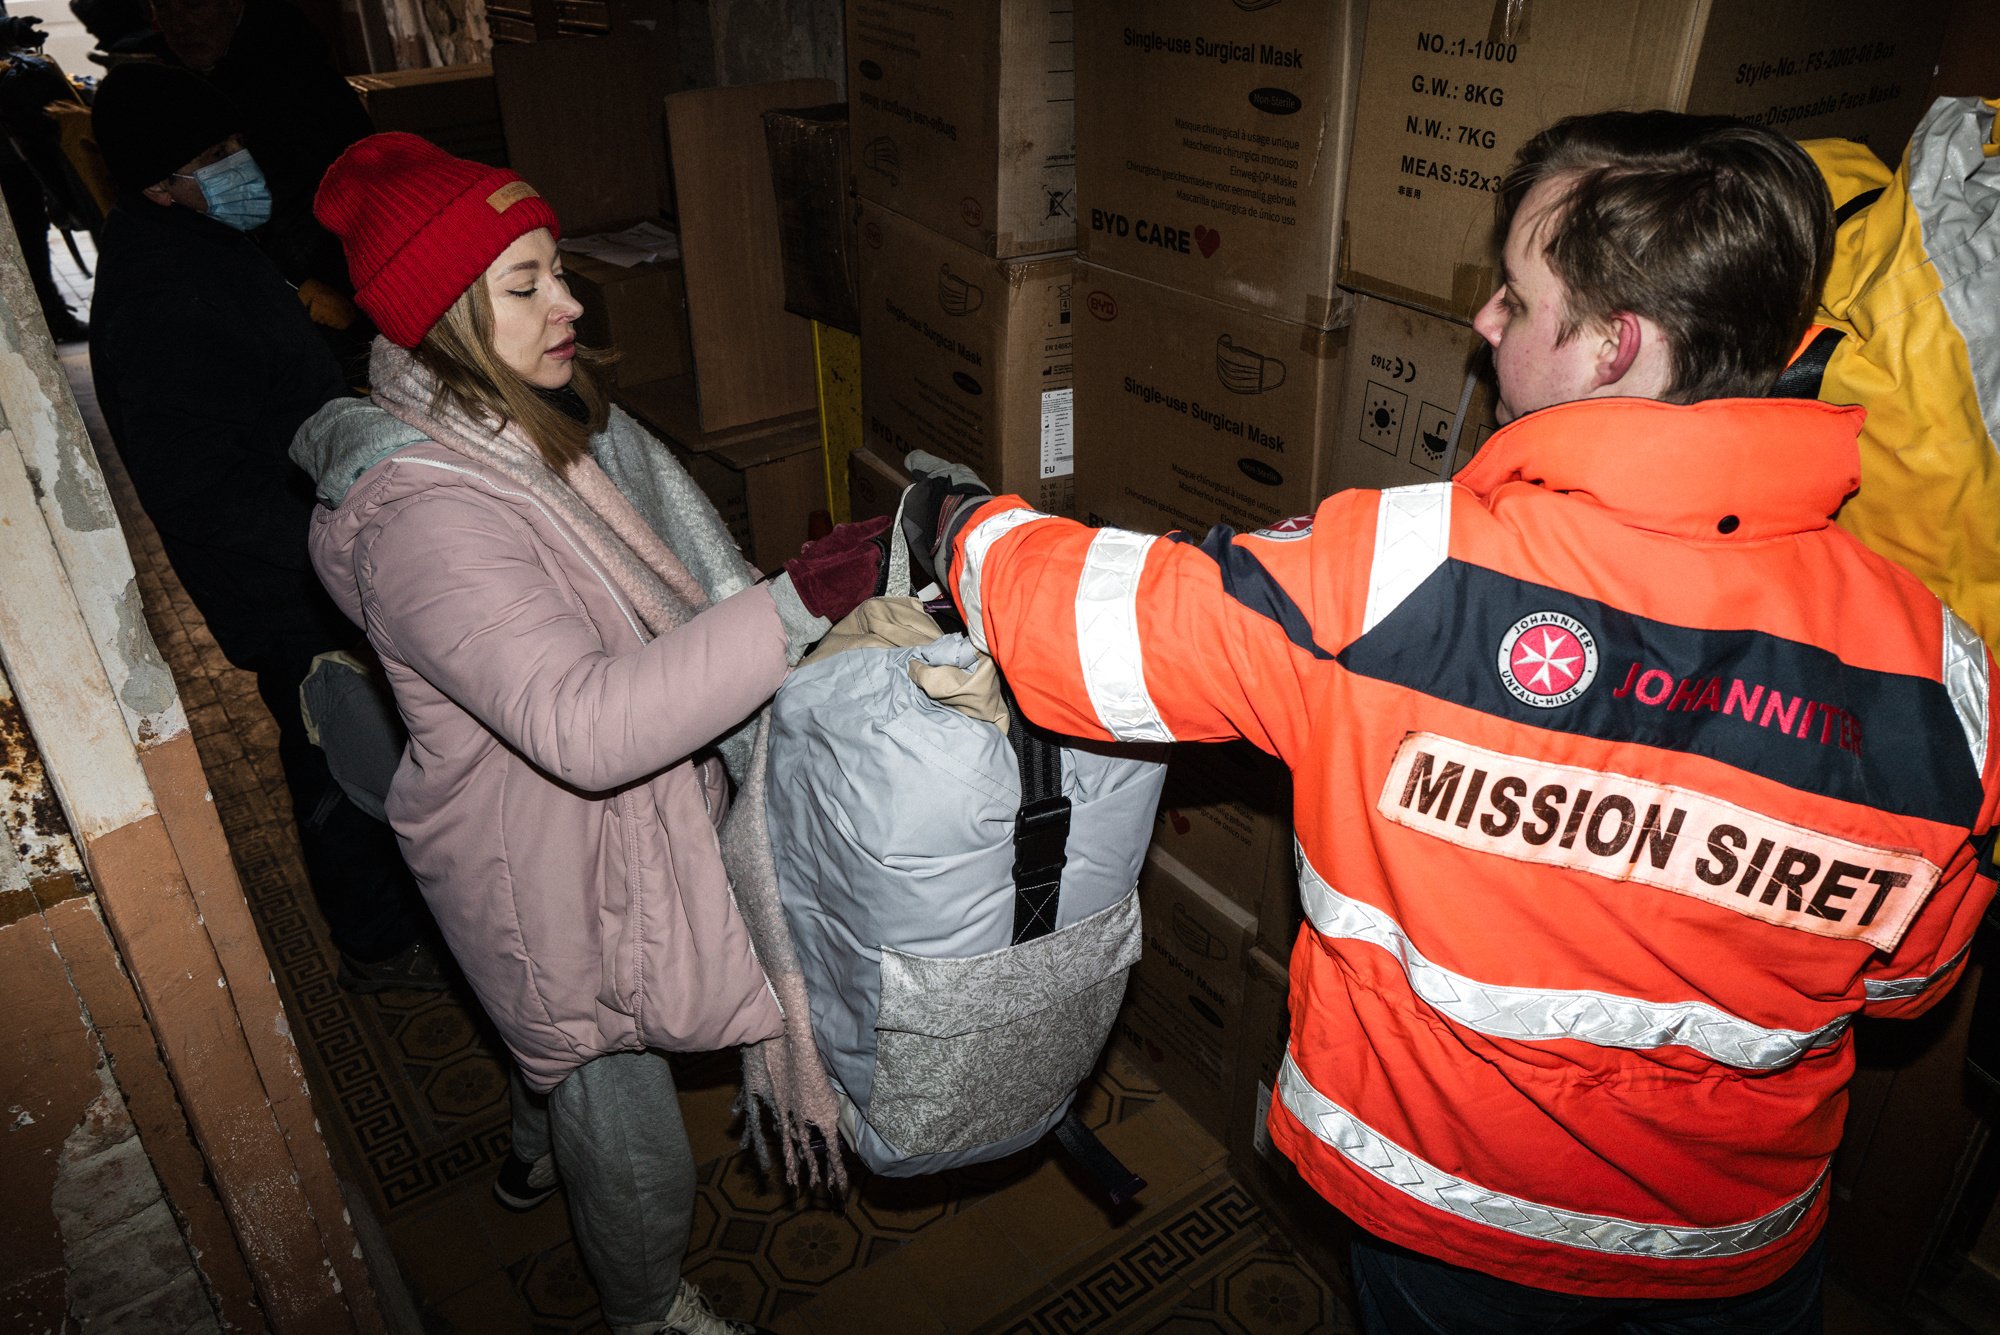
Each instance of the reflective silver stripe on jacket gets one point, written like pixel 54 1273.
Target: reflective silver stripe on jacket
pixel 1412 538
pixel 1107 637
pixel 977 543
pixel 1392 1165
pixel 1964 678
pixel 1894 989
pixel 1602 1019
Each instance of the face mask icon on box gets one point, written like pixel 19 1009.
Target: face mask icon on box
pixel 235 191
pixel 881 155
pixel 957 296
pixel 1195 938
pixel 1245 370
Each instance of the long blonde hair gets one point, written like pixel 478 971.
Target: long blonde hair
pixel 458 350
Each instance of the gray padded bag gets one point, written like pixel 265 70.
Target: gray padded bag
pixel 957 1004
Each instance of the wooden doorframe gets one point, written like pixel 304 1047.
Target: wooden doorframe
pixel 114 738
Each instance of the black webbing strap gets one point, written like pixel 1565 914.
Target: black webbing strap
pixel 1041 828
pixel 1120 1183
pixel 1041 840
pixel 1854 206
pixel 1802 378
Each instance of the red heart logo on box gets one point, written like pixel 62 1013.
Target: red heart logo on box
pixel 1206 239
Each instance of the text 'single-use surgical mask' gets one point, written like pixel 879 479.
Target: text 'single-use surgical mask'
pixel 235 191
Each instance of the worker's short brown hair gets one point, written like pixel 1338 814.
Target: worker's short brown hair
pixel 1717 230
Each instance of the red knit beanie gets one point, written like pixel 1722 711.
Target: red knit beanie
pixel 420 226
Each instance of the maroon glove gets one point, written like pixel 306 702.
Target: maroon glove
pixel 835 574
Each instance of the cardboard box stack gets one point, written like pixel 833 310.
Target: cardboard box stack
pixel 1451 93
pixel 1319 1232
pixel 585 130
pixel 712 362
pixel 1211 338
pixel 964 158
pixel 1226 816
pixel 514 21
pixel 1183 1014
pixel 453 106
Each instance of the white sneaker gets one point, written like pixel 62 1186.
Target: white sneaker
pixel 690 1315
pixel 521 1185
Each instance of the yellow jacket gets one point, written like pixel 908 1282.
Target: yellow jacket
pixel 1915 284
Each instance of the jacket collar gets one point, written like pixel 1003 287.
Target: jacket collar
pixel 1776 466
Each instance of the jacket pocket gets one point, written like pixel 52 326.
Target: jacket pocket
pixel 622 904
pixel 713 778
pixel 971 1051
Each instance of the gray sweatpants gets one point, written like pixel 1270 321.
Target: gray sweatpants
pixel 622 1153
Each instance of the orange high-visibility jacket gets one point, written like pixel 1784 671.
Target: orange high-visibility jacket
pixel 1624 782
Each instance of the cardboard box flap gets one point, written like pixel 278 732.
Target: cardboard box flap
pixel 752 358
pixel 667 409
pixel 817 211
pixel 583 124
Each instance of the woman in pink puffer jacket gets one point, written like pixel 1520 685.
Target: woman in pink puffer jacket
pixel 577 649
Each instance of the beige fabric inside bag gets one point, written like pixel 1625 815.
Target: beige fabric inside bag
pixel 901 623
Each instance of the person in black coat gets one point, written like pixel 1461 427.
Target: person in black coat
pixel 205 364
pixel 296 114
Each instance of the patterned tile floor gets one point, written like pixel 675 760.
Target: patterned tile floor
pixel 411 1094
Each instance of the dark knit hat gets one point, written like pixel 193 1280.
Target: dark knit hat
pixel 151 120
pixel 420 226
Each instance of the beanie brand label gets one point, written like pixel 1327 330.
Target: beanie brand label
pixel 510 194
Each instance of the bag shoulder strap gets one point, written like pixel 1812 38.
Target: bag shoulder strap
pixel 1120 1183
pixel 1854 206
pixel 1801 380
pixel 1041 836
pixel 1041 827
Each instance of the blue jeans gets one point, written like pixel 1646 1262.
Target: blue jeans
pixel 1400 1292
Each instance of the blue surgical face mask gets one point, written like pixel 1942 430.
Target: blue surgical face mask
pixel 235 191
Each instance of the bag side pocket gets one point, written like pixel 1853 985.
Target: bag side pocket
pixel 972 1051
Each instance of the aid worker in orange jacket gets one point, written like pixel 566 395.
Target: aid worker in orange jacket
pixel 1624 780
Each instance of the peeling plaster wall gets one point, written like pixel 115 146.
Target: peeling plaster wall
pixel 36 843
pixel 238 1149
pixel 86 1236
pixel 65 483
pixel 127 1267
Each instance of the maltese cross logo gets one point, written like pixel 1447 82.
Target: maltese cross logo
pixel 1547 659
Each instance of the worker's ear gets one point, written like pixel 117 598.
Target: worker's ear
pixel 1624 335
